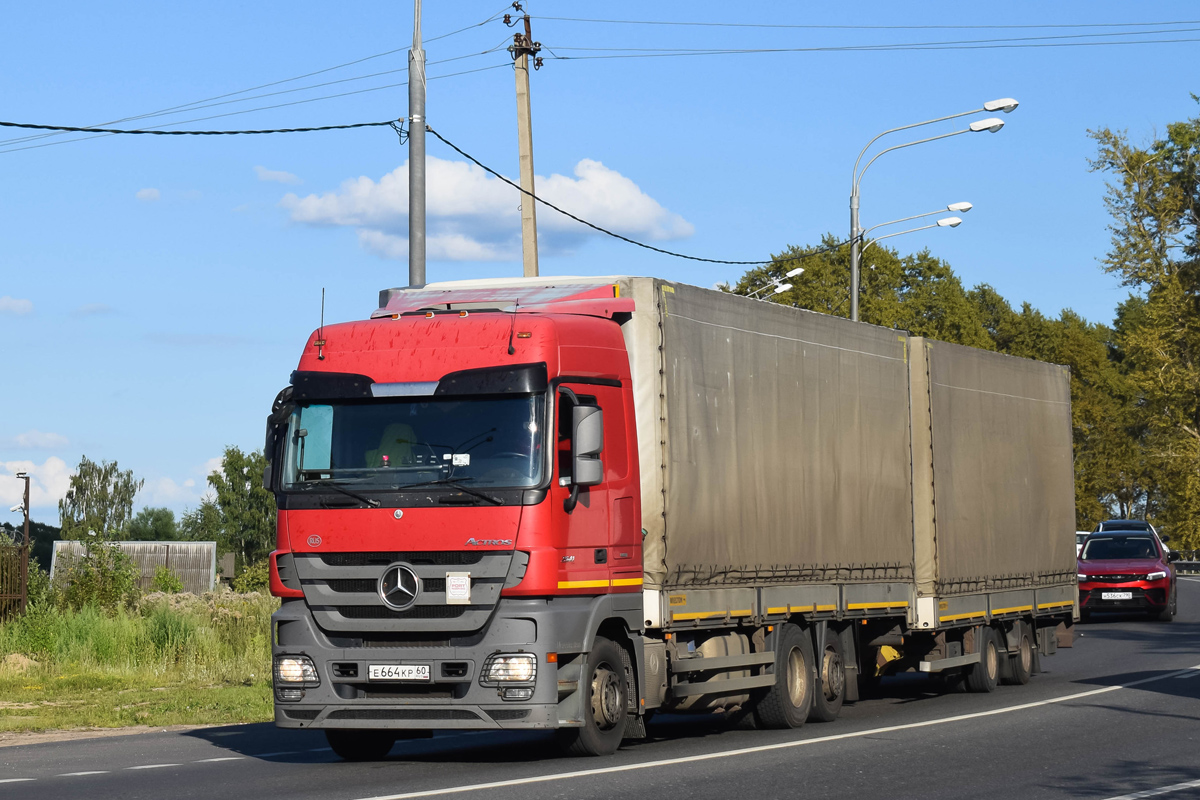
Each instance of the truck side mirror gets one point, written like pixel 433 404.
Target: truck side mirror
pixel 587 442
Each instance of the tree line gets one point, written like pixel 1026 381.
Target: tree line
pixel 1135 383
pixel 238 513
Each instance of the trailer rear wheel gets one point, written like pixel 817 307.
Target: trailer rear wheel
pixel 983 676
pixel 1020 664
pixel 360 745
pixel 788 702
pixel 827 703
pixel 604 704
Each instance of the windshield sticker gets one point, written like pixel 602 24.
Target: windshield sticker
pixel 461 460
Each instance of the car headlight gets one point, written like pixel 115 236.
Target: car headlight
pixel 1082 578
pixel 296 670
pixel 1156 576
pixel 509 668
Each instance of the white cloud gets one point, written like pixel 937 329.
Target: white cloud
pixel 51 479
pixel 37 440
pixel 276 176
pixel 148 195
pixel 211 466
pixel 167 492
pixel 14 305
pixel 473 216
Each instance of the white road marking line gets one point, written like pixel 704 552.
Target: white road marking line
pixel 223 758
pixel 154 766
pixel 277 753
pixel 766 748
pixel 1178 787
pixel 16 780
pixel 90 772
pixel 1193 580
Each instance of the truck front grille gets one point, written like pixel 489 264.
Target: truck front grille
pixel 342 591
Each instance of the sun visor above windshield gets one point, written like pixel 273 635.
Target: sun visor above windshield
pixel 589 296
pixel 313 385
pixel 517 379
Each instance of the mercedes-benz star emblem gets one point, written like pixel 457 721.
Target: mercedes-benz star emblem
pixel 399 587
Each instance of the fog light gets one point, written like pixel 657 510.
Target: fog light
pixel 289 695
pixel 296 670
pixel 509 668
pixel 516 693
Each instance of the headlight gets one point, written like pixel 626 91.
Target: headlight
pixel 1156 576
pixel 1082 578
pixel 296 670
pixel 510 668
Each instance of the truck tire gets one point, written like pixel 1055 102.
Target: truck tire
pixel 604 704
pixel 1020 664
pixel 789 701
pixel 827 701
pixel 360 745
pixel 983 676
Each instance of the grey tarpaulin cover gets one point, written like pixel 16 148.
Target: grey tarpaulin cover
pixel 1003 490
pixel 786 447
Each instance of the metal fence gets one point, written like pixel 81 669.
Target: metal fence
pixel 14 570
pixel 194 562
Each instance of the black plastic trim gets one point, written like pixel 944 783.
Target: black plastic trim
pixel 587 380
pixel 316 385
pixel 515 379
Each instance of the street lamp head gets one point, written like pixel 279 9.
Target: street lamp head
pixel 949 222
pixel 793 273
pixel 991 124
pixel 1006 105
pixel 781 288
pixel 960 207
pixel 16 508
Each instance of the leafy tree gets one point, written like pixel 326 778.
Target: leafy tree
pixel 1154 199
pixel 153 525
pixel 247 510
pixel 202 523
pixel 41 540
pixel 99 501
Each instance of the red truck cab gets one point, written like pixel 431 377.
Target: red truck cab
pixel 457 486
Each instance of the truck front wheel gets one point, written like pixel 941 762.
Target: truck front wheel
pixel 789 701
pixel 604 704
pixel 360 745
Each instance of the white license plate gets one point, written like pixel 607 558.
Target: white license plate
pixel 398 672
pixel 1116 595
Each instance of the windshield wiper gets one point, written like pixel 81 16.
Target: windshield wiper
pixel 456 483
pixel 337 487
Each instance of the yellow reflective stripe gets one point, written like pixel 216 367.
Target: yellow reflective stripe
pixel 582 584
pixel 894 604
pixel 698 614
pixel 1011 610
pixel 950 617
pixel 826 608
pixel 627 581
pixel 778 610
pixel 1057 604
pixel 743 613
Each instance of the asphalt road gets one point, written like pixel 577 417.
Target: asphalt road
pixel 1114 715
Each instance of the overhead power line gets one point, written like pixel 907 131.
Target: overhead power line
pixel 151 132
pixel 596 227
pixel 684 23
pixel 193 106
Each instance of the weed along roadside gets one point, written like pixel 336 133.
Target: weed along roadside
pixel 110 658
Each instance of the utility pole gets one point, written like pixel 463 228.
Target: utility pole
pixel 416 155
pixel 25 547
pixel 523 47
pixel 855 253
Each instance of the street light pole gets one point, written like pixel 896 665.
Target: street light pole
pixel 948 222
pixel 1006 105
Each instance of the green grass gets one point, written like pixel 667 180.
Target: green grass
pixel 174 659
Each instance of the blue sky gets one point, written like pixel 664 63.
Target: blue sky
pixel 155 291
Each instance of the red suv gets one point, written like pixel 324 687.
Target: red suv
pixel 1126 571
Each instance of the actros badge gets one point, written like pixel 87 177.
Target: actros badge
pixel 399 587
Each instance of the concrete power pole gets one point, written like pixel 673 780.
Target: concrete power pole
pixel 523 47
pixel 416 155
pixel 25 547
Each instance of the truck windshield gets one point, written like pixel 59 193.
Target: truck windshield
pixel 406 442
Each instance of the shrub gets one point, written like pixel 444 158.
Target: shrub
pixel 103 576
pixel 254 578
pixel 166 580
